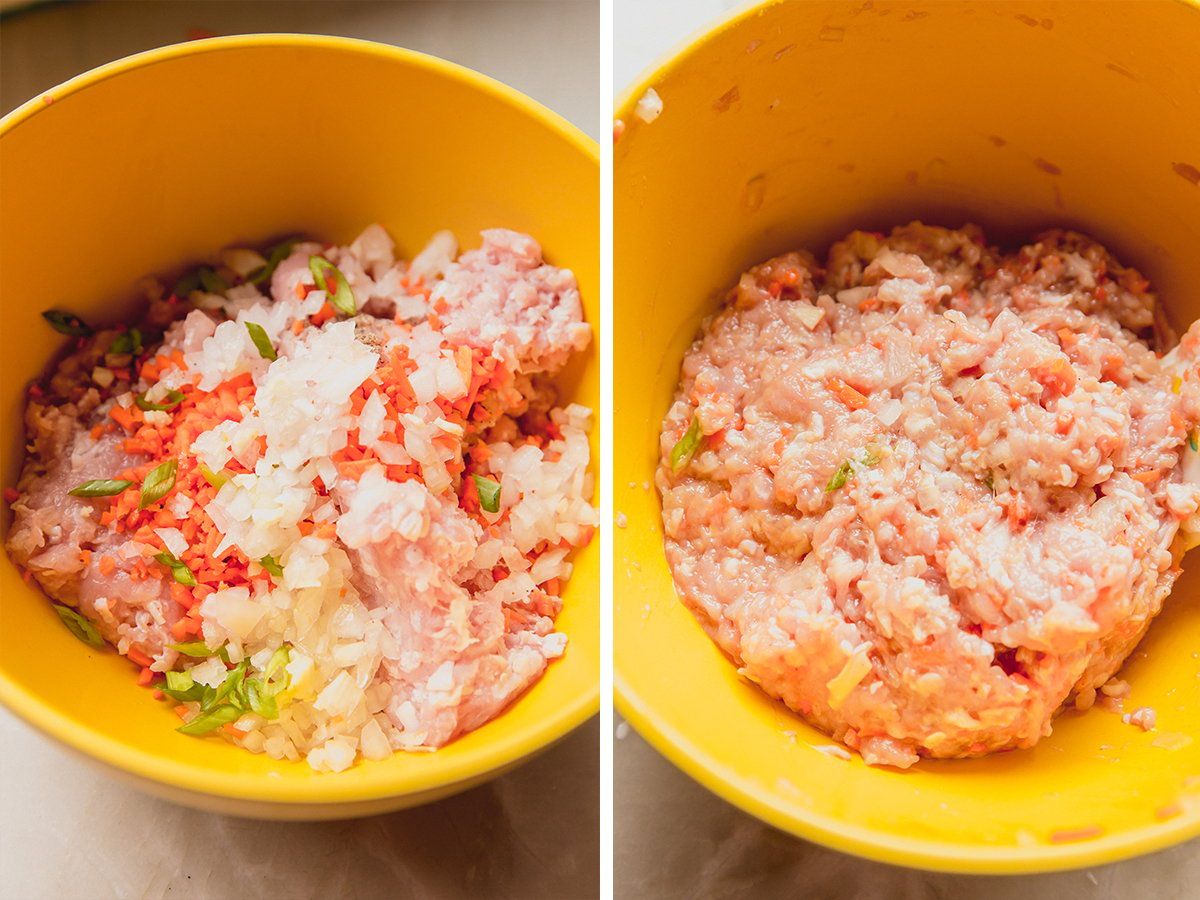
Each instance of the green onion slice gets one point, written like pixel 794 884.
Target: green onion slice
pixel 127 342
pixel 170 401
pixel 158 483
pixel 489 493
pixel 66 323
pixel 839 477
pixel 1192 441
pixel 211 281
pixel 195 648
pixel 103 487
pixel 343 298
pixel 259 335
pixel 79 626
pixel 178 568
pixel 275 676
pixel 189 281
pixel 232 682
pixel 216 479
pixel 180 681
pixel 872 457
pixel 271 564
pixel 275 256
pixel 211 720
pixel 685 448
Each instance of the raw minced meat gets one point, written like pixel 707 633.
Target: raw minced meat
pixel 928 494
pixel 370 492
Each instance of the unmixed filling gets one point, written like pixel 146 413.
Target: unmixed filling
pixel 322 497
pixel 928 494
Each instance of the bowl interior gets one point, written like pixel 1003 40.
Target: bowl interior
pixel 158 161
pixel 785 127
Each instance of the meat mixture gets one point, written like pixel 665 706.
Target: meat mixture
pixel 930 493
pixel 323 498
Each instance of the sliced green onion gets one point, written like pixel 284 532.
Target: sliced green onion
pixel 66 323
pixel 231 683
pixel 990 481
pixel 259 335
pixel 212 282
pixel 276 255
pixel 275 676
pixel 158 483
pixel 872 457
pixel 685 448
pixel 189 281
pixel 343 298
pixel 259 701
pixel 1192 441
pixel 195 648
pixel 180 681
pixel 79 626
pixel 127 342
pixel 211 720
pixel 271 565
pixel 178 568
pixel 170 401
pixel 489 493
pixel 216 479
pixel 839 478
pixel 103 487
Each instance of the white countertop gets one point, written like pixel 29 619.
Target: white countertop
pixel 674 839
pixel 68 832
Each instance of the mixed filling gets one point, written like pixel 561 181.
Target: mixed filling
pixel 324 499
pixel 930 493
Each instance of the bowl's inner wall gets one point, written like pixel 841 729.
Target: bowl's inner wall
pixel 786 129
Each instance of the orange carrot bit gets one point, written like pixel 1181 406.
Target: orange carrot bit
pixel 85 557
pixel 181 595
pixel 297 327
pixel 157 694
pixel 145 676
pixel 97 431
pixel 180 630
pixel 1146 477
pixel 323 315
pixel 552 587
pixel 844 392
pixel 139 657
pixel 124 418
pixel 231 728
pixel 181 710
pixel 108 565
pixel 306 527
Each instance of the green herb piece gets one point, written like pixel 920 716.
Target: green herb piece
pixel 178 568
pixel 840 477
pixel 216 479
pixel 276 676
pixel 257 700
pixel 489 493
pixel 271 564
pixel 158 483
pixel 66 323
pixel 686 447
pixel 872 457
pixel 195 648
pixel 211 720
pixel 127 342
pixel 79 626
pixel 1192 441
pixel 259 335
pixel 276 255
pixel 211 281
pixel 171 400
pixel 990 481
pixel 231 684
pixel 180 681
pixel 342 298
pixel 189 281
pixel 103 487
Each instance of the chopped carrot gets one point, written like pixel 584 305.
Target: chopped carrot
pixel 844 392
pixel 139 657
pixel 108 565
pixel 145 676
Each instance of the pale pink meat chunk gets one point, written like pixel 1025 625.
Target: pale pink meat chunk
pixel 505 298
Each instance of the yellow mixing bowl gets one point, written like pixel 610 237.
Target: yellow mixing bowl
pixel 161 159
pixel 785 127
